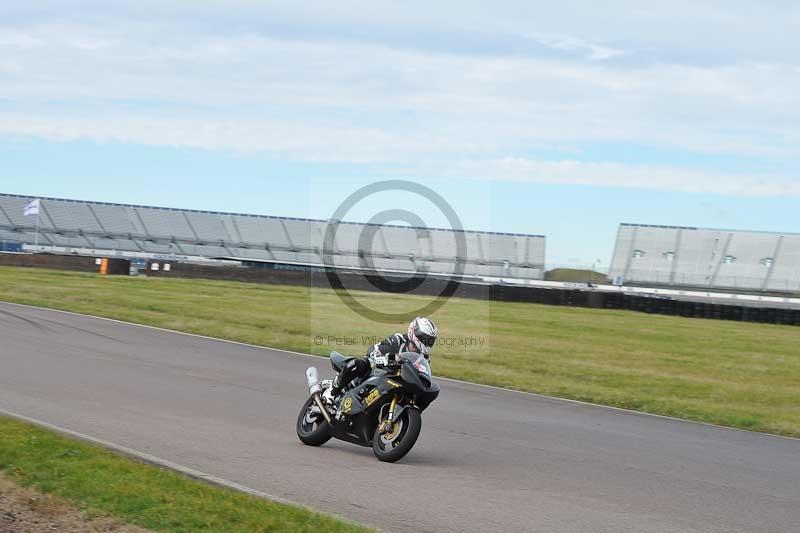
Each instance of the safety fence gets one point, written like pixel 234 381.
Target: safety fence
pixel 66 262
pixel 575 297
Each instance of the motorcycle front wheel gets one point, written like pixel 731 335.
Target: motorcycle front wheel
pixel 394 445
pixel 312 428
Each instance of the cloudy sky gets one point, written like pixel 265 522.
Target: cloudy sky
pixel 563 119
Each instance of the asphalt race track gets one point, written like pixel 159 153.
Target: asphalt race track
pixel 487 459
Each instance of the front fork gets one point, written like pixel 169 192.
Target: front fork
pixel 387 425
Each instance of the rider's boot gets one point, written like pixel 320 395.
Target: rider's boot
pixel 327 396
pixel 353 368
pixel 330 394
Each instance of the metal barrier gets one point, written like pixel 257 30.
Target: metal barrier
pixel 575 297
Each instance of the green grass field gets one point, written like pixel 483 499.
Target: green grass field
pixel 575 275
pixel 738 374
pixel 105 484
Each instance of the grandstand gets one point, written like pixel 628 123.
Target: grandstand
pixel 712 258
pixel 91 228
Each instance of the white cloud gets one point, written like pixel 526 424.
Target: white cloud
pixel 621 175
pixel 291 140
pixel 567 43
pixel 17 38
pixel 354 86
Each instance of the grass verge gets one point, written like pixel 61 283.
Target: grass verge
pixel 31 511
pixel 102 483
pixel 738 374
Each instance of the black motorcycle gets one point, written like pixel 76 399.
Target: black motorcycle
pixel 382 410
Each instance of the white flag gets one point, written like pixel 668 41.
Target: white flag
pixel 32 208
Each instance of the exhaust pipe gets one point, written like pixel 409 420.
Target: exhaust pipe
pixel 312 377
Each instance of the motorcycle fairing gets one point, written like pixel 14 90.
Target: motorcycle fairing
pixel 368 394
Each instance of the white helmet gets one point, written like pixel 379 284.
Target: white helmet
pixel 422 332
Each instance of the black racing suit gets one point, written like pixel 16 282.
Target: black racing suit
pixel 359 367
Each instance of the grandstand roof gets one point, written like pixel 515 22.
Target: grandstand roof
pixel 698 228
pixel 273 217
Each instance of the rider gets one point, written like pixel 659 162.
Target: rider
pixel 420 338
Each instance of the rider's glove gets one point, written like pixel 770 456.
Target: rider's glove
pixel 379 360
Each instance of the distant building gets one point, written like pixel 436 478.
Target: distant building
pixel 705 257
pixel 84 227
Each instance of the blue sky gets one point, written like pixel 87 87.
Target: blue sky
pixel 533 118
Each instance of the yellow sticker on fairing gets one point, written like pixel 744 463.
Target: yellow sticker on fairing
pixel 348 404
pixel 372 397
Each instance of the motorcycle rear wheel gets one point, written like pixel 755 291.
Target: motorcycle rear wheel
pixel 312 429
pixel 394 446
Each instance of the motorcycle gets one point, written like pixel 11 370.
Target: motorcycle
pixel 382 410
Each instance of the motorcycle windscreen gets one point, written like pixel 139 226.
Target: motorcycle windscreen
pixel 418 361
